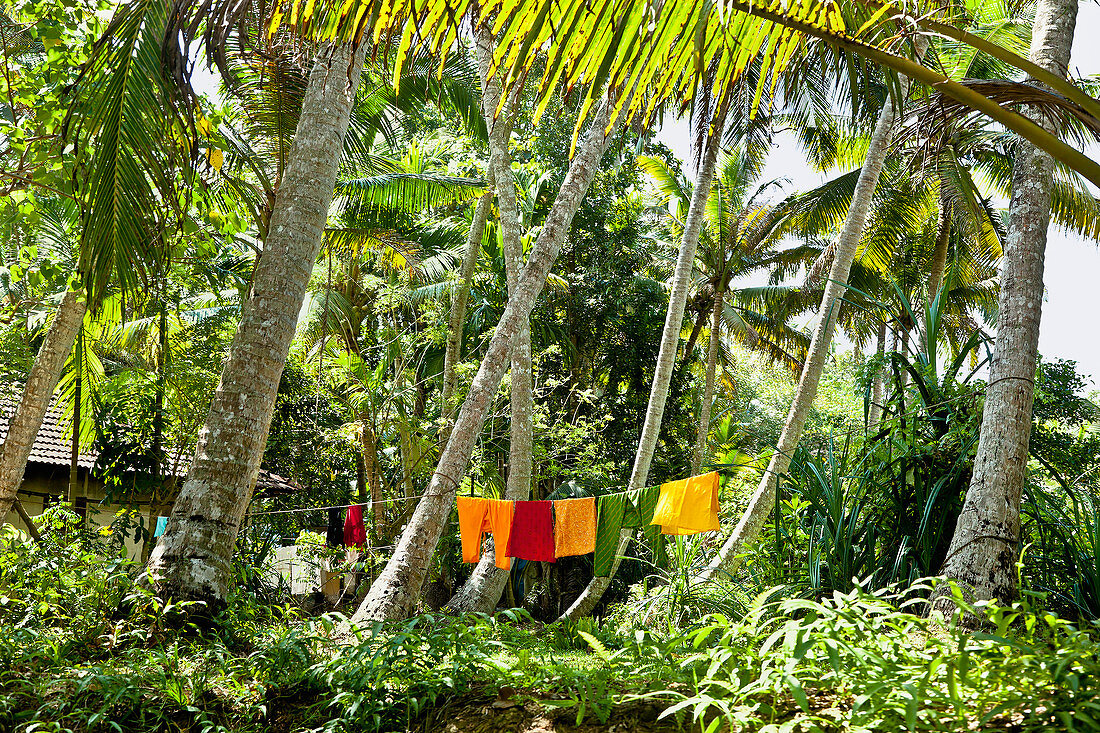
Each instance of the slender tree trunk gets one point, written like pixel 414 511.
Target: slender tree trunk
pixel 984 549
pixel 763 500
pixel 368 445
pixel 939 258
pixel 74 441
pixel 192 559
pixel 696 329
pixel 37 393
pixel 459 299
pixel 703 429
pixel 485 585
pixel 874 410
pixel 392 595
pixel 158 405
pixel 938 266
pixel 27 520
pixel 666 357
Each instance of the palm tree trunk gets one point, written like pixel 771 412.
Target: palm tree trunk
pixel 666 357
pixel 689 346
pixel 703 428
pixel 459 299
pixel 939 255
pixel 398 586
pixel 368 446
pixel 762 501
pixel 37 393
pixel 485 585
pixel 74 441
pixel 874 410
pixel 983 552
pixel 192 559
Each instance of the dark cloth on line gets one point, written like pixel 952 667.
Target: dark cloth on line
pixel 334 534
pixel 532 535
pixel 355 534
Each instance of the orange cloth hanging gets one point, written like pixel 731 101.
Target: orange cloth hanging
pixel 574 527
pixel 688 506
pixel 500 520
pixel 476 516
pixel 472 523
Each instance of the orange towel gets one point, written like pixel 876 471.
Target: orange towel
pixel 473 520
pixel 574 527
pixel 688 506
pixel 500 519
pixel 476 516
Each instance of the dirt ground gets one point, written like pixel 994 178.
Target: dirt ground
pixel 513 712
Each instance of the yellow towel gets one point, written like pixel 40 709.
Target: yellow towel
pixel 574 527
pixel 688 506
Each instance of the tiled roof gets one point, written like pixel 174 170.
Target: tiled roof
pixel 52 447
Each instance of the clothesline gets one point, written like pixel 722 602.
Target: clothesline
pixel 718 467
pixel 336 506
pixel 421 496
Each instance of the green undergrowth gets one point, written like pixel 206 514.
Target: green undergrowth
pixel 83 647
pixel 851 662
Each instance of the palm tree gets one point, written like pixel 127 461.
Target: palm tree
pixel 487 582
pixel 397 588
pixel 711 124
pixel 457 318
pixel 120 112
pixel 983 552
pixel 192 558
pixel 759 505
pixel 741 236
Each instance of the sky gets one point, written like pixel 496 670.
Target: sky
pixel 1072 297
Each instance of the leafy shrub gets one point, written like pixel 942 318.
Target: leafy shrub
pixel 856 662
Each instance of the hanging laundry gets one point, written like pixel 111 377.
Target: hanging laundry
pixel 501 519
pixel 473 520
pixel 162 524
pixel 640 506
pixel 518 581
pixel 574 527
pixel 609 521
pixel 643 502
pixel 476 516
pixel 688 506
pixel 334 533
pixel 533 531
pixel 355 534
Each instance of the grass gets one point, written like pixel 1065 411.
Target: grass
pixel 83 649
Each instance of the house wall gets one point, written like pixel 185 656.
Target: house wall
pixel 47 485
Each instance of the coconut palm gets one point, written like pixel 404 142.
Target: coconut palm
pixel 984 549
pixel 651 55
pixel 192 557
pixel 121 113
pixel 741 237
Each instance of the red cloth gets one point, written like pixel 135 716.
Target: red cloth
pixel 355 534
pixel 532 535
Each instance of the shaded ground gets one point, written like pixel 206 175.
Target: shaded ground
pixel 529 713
